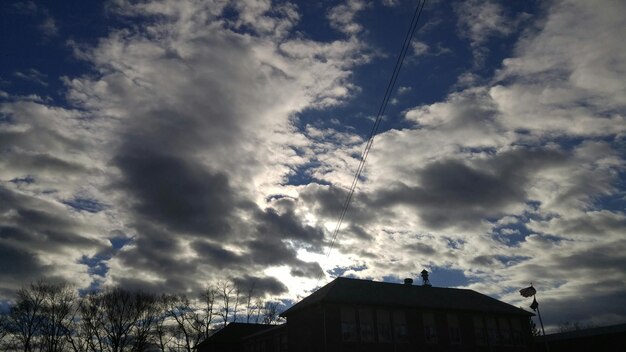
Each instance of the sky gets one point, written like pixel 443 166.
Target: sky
pixel 166 144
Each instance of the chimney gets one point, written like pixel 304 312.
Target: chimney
pixel 425 281
pixel 408 281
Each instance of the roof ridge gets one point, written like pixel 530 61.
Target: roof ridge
pixel 363 291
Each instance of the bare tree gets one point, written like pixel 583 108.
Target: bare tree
pixel 114 319
pixel 533 327
pixel 209 300
pixel 258 309
pixel 51 317
pixel 163 333
pixel 249 302
pixel 75 333
pixel 236 303
pixel 271 312
pixel 92 317
pixel 26 315
pixel 189 327
pixel 58 303
pixel 148 311
pixel 226 292
pixel 4 332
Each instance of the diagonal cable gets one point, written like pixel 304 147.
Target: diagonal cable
pixel 381 111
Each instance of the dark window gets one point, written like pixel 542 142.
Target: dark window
pixel 348 324
pixel 283 345
pixel 430 330
pixel 517 331
pixel 366 324
pixel 399 327
pixel 492 331
pixel 454 330
pixel 505 331
pixel 383 325
pixel 479 330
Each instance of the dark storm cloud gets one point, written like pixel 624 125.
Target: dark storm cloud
pixel 41 163
pixel 217 256
pixel 452 192
pixel 37 225
pixel 328 202
pixel 260 286
pixel 270 251
pixel 607 257
pixel 422 248
pixel 183 195
pixel 193 202
pixel 31 228
pixel 608 298
pixel 359 232
pixel 157 251
pixel 288 226
pixel 17 263
pixel 304 269
pixel 268 248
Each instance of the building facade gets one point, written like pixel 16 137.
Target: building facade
pixel 363 315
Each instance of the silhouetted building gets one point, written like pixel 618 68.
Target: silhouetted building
pixel 236 337
pixel 363 315
pixel 607 339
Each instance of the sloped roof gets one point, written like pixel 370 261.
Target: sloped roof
pixel 367 292
pixel 233 333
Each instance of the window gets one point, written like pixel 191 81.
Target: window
pixel 430 330
pixel 479 330
pixel 283 344
pixel 517 331
pixel 399 327
pixel 454 330
pixel 492 331
pixel 383 325
pixel 366 324
pixel 505 330
pixel 348 324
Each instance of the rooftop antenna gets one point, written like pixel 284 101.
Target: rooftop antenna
pixel 425 281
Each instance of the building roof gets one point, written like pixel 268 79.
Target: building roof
pixel 234 333
pixel 366 292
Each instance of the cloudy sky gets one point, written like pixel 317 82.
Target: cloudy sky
pixel 165 144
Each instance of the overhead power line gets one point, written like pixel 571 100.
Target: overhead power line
pixel 379 116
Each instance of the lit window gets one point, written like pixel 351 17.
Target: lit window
pixel 430 330
pixel 348 324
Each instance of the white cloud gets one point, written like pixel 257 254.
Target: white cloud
pixel 32 75
pixel 543 137
pixel 342 17
pixel 49 27
pixel 419 48
pixel 479 20
pixel 198 113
